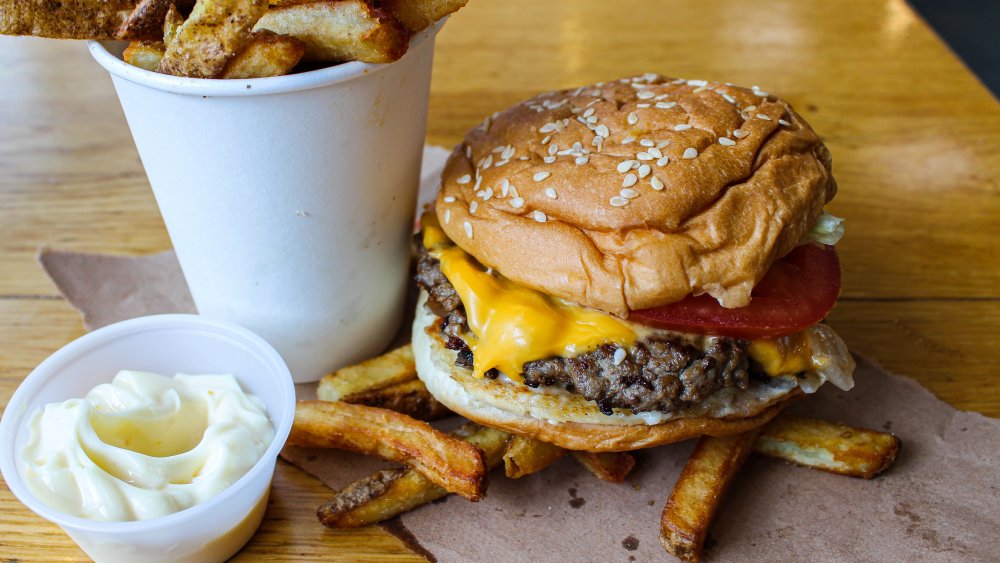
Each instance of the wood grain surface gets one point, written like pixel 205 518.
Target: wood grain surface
pixel 915 139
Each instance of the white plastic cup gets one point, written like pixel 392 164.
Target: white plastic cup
pixel 166 344
pixel 289 200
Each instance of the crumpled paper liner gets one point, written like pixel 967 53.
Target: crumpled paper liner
pixel 939 502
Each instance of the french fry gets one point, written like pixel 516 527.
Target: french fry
pixel 214 32
pixel 340 30
pixel 612 467
pixel 410 398
pixel 454 464
pixel 829 446
pixel 268 54
pixel 144 54
pixel 145 22
pixel 386 370
pixel 389 493
pixel 65 19
pixel 699 491
pixel 172 23
pixel 524 456
pixel 416 15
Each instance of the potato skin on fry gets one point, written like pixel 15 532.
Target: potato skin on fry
pixel 417 15
pixel 612 467
pixel 214 32
pixel 66 19
pixel 340 30
pixel 146 20
pixel 395 366
pixel 452 463
pixel 699 491
pixel 144 54
pixel 828 446
pixel 524 456
pixel 388 493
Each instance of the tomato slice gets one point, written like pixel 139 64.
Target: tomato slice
pixel 797 292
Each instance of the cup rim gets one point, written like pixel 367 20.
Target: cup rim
pixel 16 411
pixel 212 87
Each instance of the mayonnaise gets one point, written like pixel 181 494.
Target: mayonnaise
pixel 144 445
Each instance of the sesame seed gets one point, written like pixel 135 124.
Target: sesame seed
pixel 549 159
pixel 624 166
pixel 646 143
pixel 488 194
pixel 740 133
pixel 550 193
pixel 468 152
pixel 513 191
pixel 539 216
pixel 656 183
pixel 488 161
pixel 726 141
pixel 464 179
pixel 468 229
pixel 581 160
pixel 479 180
pixel 655 152
pixel 697 83
pixel 632 118
pixel 644 156
pixel 679 81
pixel 750 108
pixel 661 97
pixel 663 161
pixel 447 216
pixel 763 116
pixel 682 127
pixel 629 180
pixel 523 157
pixel 547 128
pixel 603 131
pixel 500 163
pixel 783 122
pixel 645 95
pixel 619 356
pixel 481 193
pixel 595 92
pixel 449 199
pixel 690 153
pixel 729 98
pixel 644 170
pixel 589 112
pixel 517 202
pixel 642 106
pixel 546 139
pixel 508 153
pixel 665 105
pixel 628 193
pixel 618 201
pixel 760 93
pixel 539 176
pixel 699 89
pixel 473 207
pixel 628 140
pixel 592 119
pixel 504 186
pixel 663 144
pixel 553 149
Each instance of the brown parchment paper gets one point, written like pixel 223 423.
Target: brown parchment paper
pixel 940 502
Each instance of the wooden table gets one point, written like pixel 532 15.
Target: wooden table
pixel 915 139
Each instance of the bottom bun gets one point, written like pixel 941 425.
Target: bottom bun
pixel 514 408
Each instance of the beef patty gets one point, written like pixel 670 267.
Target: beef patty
pixel 660 372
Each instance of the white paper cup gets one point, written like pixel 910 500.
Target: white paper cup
pixel 167 344
pixel 289 200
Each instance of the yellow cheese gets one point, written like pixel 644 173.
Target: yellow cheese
pixel 785 355
pixel 514 324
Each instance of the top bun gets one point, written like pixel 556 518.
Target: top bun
pixel 636 193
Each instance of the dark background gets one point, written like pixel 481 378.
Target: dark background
pixel 972 29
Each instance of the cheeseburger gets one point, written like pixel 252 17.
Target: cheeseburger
pixel 630 264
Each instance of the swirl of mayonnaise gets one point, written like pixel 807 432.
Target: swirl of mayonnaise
pixel 144 445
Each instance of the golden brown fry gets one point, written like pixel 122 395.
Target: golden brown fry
pixel 268 54
pixel 172 23
pixel 389 493
pixel 450 462
pixel 65 19
pixel 146 20
pixel 416 15
pixel 612 467
pixel 829 446
pixel 388 369
pixel 524 456
pixel 699 492
pixel 340 30
pixel 410 398
pixel 144 54
pixel 214 32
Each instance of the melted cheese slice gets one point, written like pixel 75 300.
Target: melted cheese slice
pixel 513 324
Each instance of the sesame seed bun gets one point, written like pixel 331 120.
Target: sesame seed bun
pixel 636 193
pixel 570 421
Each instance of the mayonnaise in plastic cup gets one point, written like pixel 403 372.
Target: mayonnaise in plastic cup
pixel 208 532
pixel 289 200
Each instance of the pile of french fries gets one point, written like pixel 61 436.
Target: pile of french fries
pixel 234 38
pixel 374 407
